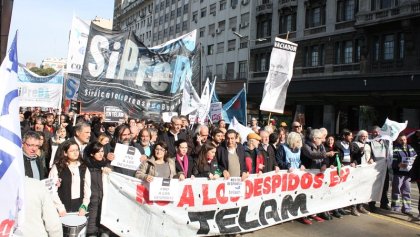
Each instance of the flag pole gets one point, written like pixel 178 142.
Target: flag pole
pixel 246 107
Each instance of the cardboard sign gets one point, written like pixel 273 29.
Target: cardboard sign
pixel 163 189
pixel 166 116
pixel 216 112
pixel 113 114
pixel 127 157
pixel 235 187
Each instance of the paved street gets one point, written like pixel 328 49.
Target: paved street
pixel 383 224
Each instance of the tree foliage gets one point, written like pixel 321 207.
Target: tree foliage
pixel 42 71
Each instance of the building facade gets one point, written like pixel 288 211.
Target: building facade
pixel 358 61
pixel 55 63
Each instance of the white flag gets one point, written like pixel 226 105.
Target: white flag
pixel 279 76
pixel 205 102
pixel 12 173
pixel 190 98
pixel 391 129
pixel 241 129
pixel 77 45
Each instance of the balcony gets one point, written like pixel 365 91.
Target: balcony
pixel 385 15
pixel 264 7
pixel 309 70
pixel 346 67
pixel 287 3
pixel 315 30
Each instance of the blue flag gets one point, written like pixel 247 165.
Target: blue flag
pixel 12 173
pixel 236 107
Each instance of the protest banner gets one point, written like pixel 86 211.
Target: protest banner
pixel 203 208
pixel 40 91
pixel 279 76
pixel 127 157
pixel 113 114
pixel 72 86
pixel 120 71
pixel 166 116
pixel 77 45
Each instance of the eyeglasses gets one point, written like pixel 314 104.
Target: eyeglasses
pixel 32 145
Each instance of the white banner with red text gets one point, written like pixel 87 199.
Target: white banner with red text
pixel 201 206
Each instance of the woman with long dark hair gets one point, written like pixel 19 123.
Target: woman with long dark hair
pixel 97 164
pixel 206 164
pixel 73 193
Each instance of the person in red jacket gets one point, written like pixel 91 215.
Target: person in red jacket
pixel 254 159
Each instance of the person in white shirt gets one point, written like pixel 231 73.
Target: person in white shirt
pixel 73 193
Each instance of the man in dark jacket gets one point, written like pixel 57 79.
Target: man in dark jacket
pixel 173 134
pixel 231 157
pixel 33 166
pixel 269 153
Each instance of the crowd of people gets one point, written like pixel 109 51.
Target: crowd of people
pixel 77 150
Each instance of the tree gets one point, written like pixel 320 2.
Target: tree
pixel 42 71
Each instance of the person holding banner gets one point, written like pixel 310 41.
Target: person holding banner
pixel 402 163
pixel 97 165
pixel 73 193
pixel 231 157
pixel 206 164
pixel 159 165
pixel 183 162
pixel 123 136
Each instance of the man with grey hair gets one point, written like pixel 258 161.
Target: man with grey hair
pixel 174 134
pixel 200 138
pixel 82 132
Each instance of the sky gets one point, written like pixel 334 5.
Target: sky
pixel 44 25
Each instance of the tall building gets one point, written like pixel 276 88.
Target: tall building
pixel 358 61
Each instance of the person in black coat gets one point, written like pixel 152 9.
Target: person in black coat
pixel 206 164
pixel 173 134
pixel 96 164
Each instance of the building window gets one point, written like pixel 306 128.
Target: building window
pixel 171 30
pixel 233 3
pixel 358 50
pixel 172 14
pixel 288 20
pixel 401 46
pixel 213 9
pixel 195 16
pixel 389 47
pixel 315 16
pixel 221 25
pixel 185 8
pixel 231 45
pixel 263 27
pixel 346 10
pixel 348 52
pixel 232 22
pixel 209 71
pixel 178 12
pixel 203 12
pixel 244 19
pixel 210 49
pixel 184 25
pixel 220 47
pixel 375 49
pixel 222 5
pixel 314 56
pixel 385 4
pixel 338 53
pixel 243 42
pixel 178 28
pixel 243 69
pixel 212 29
pixel 262 62
pixel 219 71
pixel 230 71
pixel 202 32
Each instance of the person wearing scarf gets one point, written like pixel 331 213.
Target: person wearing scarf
pixel 97 165
pixel 183 162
